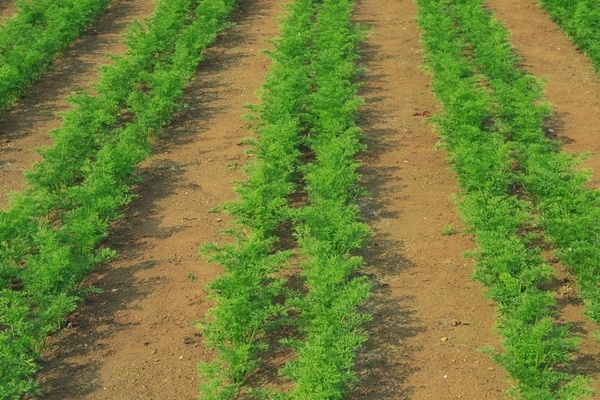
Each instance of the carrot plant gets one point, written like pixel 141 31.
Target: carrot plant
pixel 491 112
pixel 37 33
pixel 49 236
pixel 569 216
pixel 95 118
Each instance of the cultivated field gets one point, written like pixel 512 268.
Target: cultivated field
pixel 309 199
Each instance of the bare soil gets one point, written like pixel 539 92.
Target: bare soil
pixel 136 339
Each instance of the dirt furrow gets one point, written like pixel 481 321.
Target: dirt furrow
pixel 26 125
pixel 136 339
pixel 573 88
pixel 430 318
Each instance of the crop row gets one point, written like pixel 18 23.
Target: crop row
pixel 245 294
pixel 35 35
pixel 328 228
pixel 301 189
pixel 513 180
pixel 50 234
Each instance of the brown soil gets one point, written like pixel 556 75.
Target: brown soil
pixel 26 125
pixel 136 339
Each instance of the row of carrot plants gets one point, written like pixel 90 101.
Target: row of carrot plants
pixel 51 233
pixel 301 183
pixel 245 295
pixel 37 33
pixel 492 126
pixel 328 228
pixel 579 19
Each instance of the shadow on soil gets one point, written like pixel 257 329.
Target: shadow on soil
pixel 74 356
pixel 385 361
pixel 63 374
pixel 554 128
